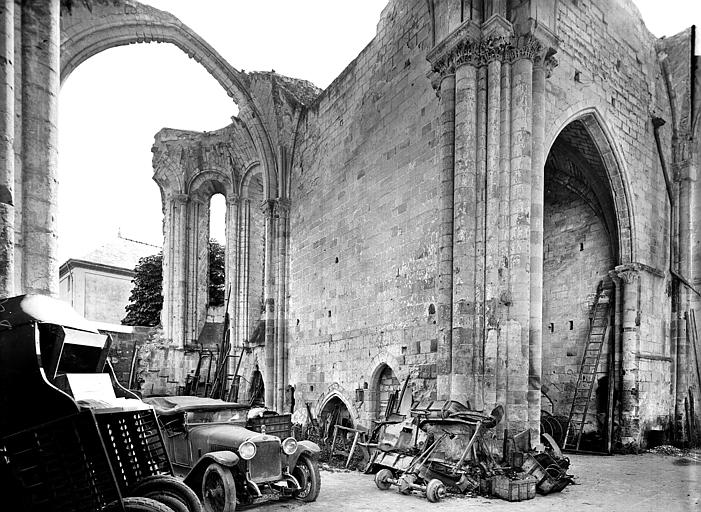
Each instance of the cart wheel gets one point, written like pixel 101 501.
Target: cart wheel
pixel 435 491
pixel 132 504
pixel 218 489
pixel 170 491
pixel 307 471
pixel 382 479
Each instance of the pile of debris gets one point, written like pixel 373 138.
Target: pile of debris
pixel 443 447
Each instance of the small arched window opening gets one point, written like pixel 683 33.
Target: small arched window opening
pixel 216 295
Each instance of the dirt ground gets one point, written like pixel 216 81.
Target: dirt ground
pixel 636 483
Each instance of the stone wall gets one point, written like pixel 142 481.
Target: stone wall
pixel 577 257
pixel 364 218
pixel 365 204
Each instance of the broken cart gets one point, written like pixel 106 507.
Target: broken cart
pixel 434 452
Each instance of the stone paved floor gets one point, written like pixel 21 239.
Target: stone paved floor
pixel 636 483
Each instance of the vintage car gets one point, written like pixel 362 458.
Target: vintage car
pixel 228 463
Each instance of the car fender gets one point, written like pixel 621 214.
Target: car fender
pixel 194 478
pixel 303 447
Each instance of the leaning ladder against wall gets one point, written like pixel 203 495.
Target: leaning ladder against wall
pixel 589 368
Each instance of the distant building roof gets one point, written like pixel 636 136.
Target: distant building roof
pixel 119 253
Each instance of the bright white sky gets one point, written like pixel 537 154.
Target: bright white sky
pixel 115 102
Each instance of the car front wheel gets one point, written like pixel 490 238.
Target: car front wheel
pixel 218 489
pixel 306 472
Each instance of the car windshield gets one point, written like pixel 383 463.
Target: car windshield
pixel 217 416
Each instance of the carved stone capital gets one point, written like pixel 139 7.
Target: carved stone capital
pixel 178 199
pixel 233 199
pixel 550 64
pixel 268 207
pixel 628 273
pixel 283 207
pixel 526 46
pixel 457 48
pixel 468 46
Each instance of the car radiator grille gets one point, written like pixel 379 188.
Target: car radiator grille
pixel 265 466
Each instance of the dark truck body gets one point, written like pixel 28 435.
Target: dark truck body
pixel 71 438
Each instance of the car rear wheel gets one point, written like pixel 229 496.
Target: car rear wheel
pixel 169 490
pixel 133 504
pixel 306 472
pixel 218 489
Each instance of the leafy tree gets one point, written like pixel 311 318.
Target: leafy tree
pixel 146 299
pixel 216 274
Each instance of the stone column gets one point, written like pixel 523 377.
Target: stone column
pixel 464 207
pixel 684 183
pixel 232 266
pixel 535 346
pixel 479 227
pixel 7 155
pixel 630 420
pixel 270 374
pixel 175 268
pixel 445 244
pixel 504 240
pixel 520 243
pixel 40 87
pixel 283 221
pixel 196 285
pixel 244 269
pixel 493 263
pixel 614 370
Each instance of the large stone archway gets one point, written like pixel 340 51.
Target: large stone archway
pixel 85 32
pixel 585 226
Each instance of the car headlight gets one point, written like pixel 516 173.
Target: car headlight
pixel 289 445
pixel 247 450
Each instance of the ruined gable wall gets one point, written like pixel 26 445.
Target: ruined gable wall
pixel 363 254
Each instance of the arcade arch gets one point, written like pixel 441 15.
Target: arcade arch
pixel 587 234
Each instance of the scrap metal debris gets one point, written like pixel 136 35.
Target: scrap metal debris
pixel 443 447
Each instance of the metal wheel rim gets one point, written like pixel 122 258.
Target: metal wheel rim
pixel 215 493
pixel 301 473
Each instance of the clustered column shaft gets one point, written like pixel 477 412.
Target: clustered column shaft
pixel 497 223
pixel 463 292
pixel 535 347
pixel 445 247
pixel 271 360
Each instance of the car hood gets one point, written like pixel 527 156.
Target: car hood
pixel 227 436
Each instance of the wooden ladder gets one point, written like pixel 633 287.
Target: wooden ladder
pixel 598 335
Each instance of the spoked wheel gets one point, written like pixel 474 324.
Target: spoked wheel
pixel 435 491
pixel 306 472
pixel 170 491
pixel 218 489
pixel 132 504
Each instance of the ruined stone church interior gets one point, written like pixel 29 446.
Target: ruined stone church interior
pixel 496 200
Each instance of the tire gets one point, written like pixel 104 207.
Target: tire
pixel 133 504
pixel 218 489
pixel 307 471
pixel 381 479
pixel 169 490
pixel 435 491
